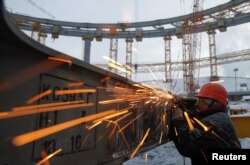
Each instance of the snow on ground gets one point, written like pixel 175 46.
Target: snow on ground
pixel 167 154
pixel 240 105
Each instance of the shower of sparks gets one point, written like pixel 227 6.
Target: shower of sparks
pixel 130 122
pixel 44 154
pixel 114 66
pixel 117 120
pixel 160 138
pixel 190 125
pixel 175 131
pixel 104 79
pixel 60 60
pixel 73 91
pixel 11 114
pixel 39 96
pixel 113 131
pixel 201 124
pixel 219 81
pixel 38 134
pixel 146 158
pixel 85 139
pixel 152 73
pixel 45 105
pixel 93 125
pixel 220 138
pixel 140 144
pixel 129 68
pixel 49 156
pixel 124 116
pixel 111 60
pixel 203 154
pixel 111 101
pixel 118 113
pixel 75 84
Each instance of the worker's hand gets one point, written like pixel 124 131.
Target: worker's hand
pixel 176 113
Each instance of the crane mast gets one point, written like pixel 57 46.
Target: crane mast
pixel 191 45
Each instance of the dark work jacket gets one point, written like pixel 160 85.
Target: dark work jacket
pixel 196 144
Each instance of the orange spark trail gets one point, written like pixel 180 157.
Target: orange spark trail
pixel 45 105
pixel 130 122
pixel 35 135
pixel 160 137
pixel 39 96
pixel 111 101
pixel 12 114
pixel 112 132
pixel 123 136
pixel 75 84
pixel 119 68
pixel 201 124
pixel 49 156
pixel 72 91
pixel 140 144
pixel 118 113
pixel 124 116
pixel 60 60
pixel 93 125
pixel 105 79
pixel 43 155
pixel 190 125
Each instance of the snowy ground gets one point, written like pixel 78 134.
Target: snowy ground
pixel 168 155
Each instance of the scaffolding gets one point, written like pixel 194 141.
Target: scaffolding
pixel 212 55
pixel 168 77
pixel 129 52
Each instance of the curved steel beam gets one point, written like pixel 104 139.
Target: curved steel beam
pixel 233 11
pixel 158 22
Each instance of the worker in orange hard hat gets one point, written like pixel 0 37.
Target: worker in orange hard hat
pixel 212 92
pixel 217 131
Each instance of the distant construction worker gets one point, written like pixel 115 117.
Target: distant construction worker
pixel 212 126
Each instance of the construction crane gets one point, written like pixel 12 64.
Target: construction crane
pixel 220 17
pixel 191 45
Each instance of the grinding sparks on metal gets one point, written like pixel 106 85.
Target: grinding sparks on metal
pixel 201 124
pixel 60 60
pixel 49 156
pixel 39 96
pixel 140 144
pixel 24 112
pixel 190 125
pixel 73 91
pixel 35 135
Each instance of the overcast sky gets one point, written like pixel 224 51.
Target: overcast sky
pixel 150 50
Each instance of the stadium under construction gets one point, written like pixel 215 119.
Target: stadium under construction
pixel 56 109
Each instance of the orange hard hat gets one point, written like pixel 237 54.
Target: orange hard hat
pixel 214 91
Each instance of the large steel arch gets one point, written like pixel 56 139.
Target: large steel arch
pixel 234 13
